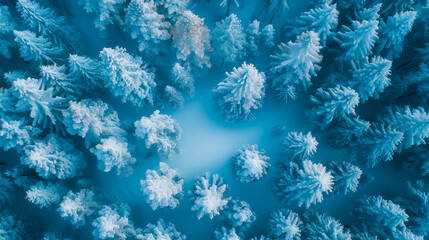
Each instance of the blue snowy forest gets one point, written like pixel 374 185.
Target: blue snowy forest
pixel 214 119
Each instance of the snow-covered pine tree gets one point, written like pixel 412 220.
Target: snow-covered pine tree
pixel 412 122
pixel 163 189
pixel 393 32
pixel 376 145
pixel 127 77
pixel 322 19
pixel 113 223
pixel 77 207
pixel 54 157
pixel 380 216
pixel 304 184
pixel 45 21
pixel 36 48
pixel 56 77
pixel 192 39
pixel 240 93
pixel 332 104
pixel 229 40
pixel 44 107
pixel 85 69
pixel 294 65
pixel 284 224
pixel 146 25
pixel 346 177
pixel 371 78
pixel 207 196
pixel 160 132
pixel 357 41
pixel 298 146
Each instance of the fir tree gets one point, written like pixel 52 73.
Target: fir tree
pixel 298 145
pixel 126 76
pixel 146 25
pixel 412 122
pixel 346 177
pixel 294 65
pixel 357 41
pixel 393 32
pixel 372 78
pixel 240 93
pixel 192 39
pixel 106 11
pixel 304 185
pixel 285 224
pixel 56 77
pixel 36 48
pixel 229 40
pixel 376 145
pixel 46 21
pixel 85 69
pixel 331 104
pixel 322 226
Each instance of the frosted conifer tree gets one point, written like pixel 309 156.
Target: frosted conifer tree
pixel 207 196
pixel 416 205
pixel 11 76
pixel 322 19
pixel 113 152
pixel 357 41
pixel 285 224
pixel 268 33
pixel 183 79
pixel 54 157
pixel 146 25
pixel 46 21
pixel 369 14
pixel 294 64
pixel 36 48
pixel 322 226
pixel 77 207
pixel 161 230
pixel 349 130
pixel 393 32
pixel 380 216
pixel 6 188
pixel 56 77
pixel 7 25
pixel 253 33
pixel 85 69
pixel 229 40
pixel 16 133
pixel 92 120
pixel 240 93
pixel 45 195
pixel 106 11
pixel 161 132
pixel 372 78
pixel 298 145
pixel 250 164
pixel 126 76
pixel 226 233
pixel 192 39
pixel 171 98
pixel 113 223
pixel 376 145
pixel 12 226
pixel 164 189
pixel 345 176
pixel 413 122
pixel 332 104
pixel 305 184
pixel 239 215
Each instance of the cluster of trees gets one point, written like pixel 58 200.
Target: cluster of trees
pixel 355 52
